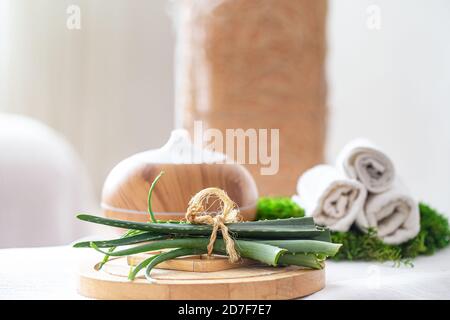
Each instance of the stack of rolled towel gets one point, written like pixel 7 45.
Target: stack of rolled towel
pixel 361 189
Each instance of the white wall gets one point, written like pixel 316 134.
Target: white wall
pixel 393 86
pixel 109 86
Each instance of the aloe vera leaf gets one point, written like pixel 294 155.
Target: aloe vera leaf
pixel 134 271
pixel 123 241
pixel 305 246
pixel 267 254
pixel 111 249
pixel 237 227
pixel 149 236
pixel 307 221
pixel 144 237
pixel 296 223
pixel 170 255
pixel 325 235
pixel 150 192
pixel 275 232
pixel 248 249
pixel 251 231
pixel 300 259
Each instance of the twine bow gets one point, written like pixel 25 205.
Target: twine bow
pixel 198 214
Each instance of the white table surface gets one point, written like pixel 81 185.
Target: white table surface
pixel 50 273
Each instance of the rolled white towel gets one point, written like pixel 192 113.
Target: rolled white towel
pixel 329 197
pixel 361 160
pixel 394 214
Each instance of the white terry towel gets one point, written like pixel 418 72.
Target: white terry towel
pixel 394 214
pixel 361 160
pixel 329 197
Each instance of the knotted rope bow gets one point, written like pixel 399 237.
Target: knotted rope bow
pixel 198 214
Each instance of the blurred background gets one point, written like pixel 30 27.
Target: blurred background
pixel 92 96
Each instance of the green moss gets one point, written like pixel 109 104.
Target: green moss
pixel 278 208
pixel 364 246
pixel 434 234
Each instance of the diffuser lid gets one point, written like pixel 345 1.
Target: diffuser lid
pixel 188 169
pixel 180 149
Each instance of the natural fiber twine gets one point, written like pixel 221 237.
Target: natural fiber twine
pixel 197 213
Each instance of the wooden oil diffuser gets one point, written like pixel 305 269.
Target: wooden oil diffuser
pixel 187 171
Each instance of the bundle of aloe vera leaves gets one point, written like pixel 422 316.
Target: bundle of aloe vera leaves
pixel 294 241
pixel 283 242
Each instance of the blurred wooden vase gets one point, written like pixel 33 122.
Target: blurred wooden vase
pixel 256 65
pixel 187 171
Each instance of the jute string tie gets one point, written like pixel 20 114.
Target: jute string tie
pixel 197 213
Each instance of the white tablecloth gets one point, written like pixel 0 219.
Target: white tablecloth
pixel 50 273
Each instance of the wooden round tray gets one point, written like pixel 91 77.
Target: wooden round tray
pixel 248 282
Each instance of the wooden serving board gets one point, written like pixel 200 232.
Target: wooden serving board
pixel 250 282
pixel 198 263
